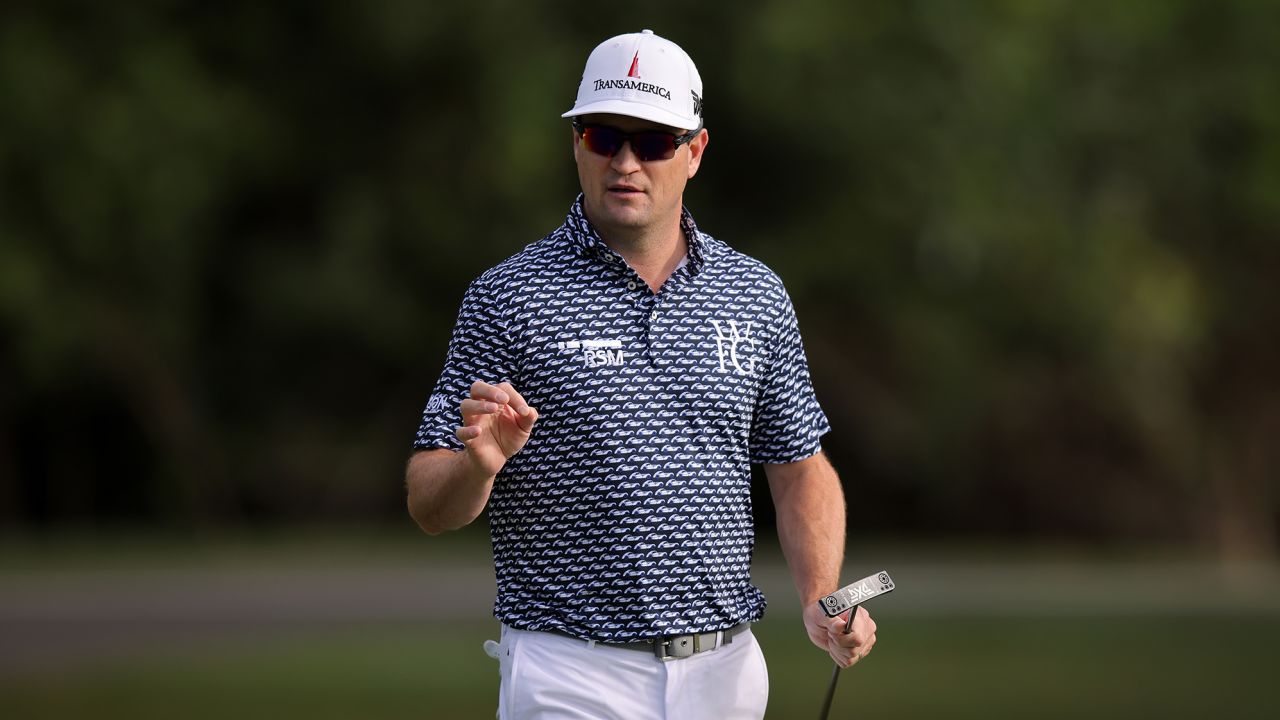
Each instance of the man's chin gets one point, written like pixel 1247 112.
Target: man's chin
pixel 622 214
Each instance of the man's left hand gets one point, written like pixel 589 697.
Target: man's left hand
pixel 828 634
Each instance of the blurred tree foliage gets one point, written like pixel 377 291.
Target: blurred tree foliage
pixel 1033 246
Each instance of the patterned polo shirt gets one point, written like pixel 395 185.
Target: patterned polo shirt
pixel 627 515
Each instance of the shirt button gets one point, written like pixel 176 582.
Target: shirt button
pixel 631 285
pixel 653 316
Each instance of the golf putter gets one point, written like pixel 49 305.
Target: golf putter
pixel 849 598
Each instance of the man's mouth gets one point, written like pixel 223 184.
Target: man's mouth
pixel 624 190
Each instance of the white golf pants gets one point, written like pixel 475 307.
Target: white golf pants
pixel 553 677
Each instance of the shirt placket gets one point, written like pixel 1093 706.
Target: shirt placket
pixel 654 309
pixel 648 305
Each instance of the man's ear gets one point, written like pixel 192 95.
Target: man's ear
pixel 697 146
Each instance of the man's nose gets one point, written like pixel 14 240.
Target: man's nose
pixel 625 161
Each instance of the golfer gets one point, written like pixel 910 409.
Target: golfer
pixel 605 393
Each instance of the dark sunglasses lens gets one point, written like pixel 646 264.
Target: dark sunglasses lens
pixel 653 145
pixel 647 146
pixel 602 140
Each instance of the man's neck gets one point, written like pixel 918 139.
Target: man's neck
pixel 653 253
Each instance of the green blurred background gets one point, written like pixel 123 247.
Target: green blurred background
pixel 1033 246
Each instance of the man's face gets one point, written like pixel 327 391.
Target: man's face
pixel 623 193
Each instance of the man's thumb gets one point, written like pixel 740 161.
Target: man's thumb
pixel 526 419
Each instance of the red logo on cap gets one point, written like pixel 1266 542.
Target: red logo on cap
pixel 635 66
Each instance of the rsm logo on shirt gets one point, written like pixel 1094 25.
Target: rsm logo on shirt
pixel 596 353
pixel 730 337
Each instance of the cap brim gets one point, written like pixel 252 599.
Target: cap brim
pixel 635 110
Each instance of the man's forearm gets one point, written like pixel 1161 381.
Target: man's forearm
pixel 445 491
pixel 809 504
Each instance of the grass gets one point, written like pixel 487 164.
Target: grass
pixel 1191 667
pixel 1053 668
pixel 1026 653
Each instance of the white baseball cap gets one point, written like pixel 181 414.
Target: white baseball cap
pixel 641 75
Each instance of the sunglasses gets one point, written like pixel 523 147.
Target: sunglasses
pixel 648 145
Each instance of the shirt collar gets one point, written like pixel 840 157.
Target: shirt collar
pixel 584 236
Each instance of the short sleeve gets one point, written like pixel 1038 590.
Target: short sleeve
pixel 788 423
pixel 479 349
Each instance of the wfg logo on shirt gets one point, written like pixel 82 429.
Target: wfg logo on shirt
pixel 729 337
pixel 596 353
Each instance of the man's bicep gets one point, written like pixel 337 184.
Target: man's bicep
pixel 790 471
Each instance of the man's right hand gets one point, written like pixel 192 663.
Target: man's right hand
pixel 496 422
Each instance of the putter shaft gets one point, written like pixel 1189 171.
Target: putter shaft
pixel 835 672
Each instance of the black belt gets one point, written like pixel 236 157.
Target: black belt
pixel 673 647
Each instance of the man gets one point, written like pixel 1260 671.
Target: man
pixel 605 392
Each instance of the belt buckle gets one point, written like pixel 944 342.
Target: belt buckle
pixel 676 647
pixel 683 646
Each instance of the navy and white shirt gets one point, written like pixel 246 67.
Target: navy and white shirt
pixel 627 515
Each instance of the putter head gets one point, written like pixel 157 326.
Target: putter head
pixel 855 593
